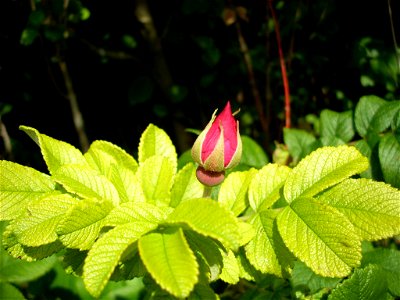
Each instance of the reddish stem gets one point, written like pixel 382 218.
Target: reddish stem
pixel 283 66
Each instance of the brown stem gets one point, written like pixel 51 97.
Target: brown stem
pixel 73 101
pixel 283 66
pixel 252 80
pixel 7 141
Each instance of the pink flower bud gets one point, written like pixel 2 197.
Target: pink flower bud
pixel 219 146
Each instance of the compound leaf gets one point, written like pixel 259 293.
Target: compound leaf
pixel 170 261
pixel 372 207
pixel 321 169
pixel 320 236
pixel 19 186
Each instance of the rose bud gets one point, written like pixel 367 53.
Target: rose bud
pixel 218 147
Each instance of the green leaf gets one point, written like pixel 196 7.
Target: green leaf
pixel 154 141
pixel 372 207
pixel 20 271
pixel 389 261
pixel 156 177
pixel 304 276
pixel 208 218
pixel 389 154
pixel 8 291
pixel 186 186
pixel 136 212
pixel 365 284
pixel 339 125
pixel 253 155
pixel 117 165
pixel 233 191
pixel 203 291
pixel 374 115
pixel 320 236
pixel 265 187
pixel 299 142
pixel 208 251
pixel 322 169
pixel 79 229
pixel 19 186
pixel 86 182
pixel 37 226
pixel 106 252
pixel 55 153
pixel 170 261
pixel 230 271
pixel 266 251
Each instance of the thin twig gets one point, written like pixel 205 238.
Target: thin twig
pixel 73 101
pixel 252 79
pixel 283 67
pixel 396 52
pixel 7 141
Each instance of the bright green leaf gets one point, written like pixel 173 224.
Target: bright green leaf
pixel 365 284
pixel 233 192
pixel 37 226
pixel 186 186
pixel 266 185
pixel 154 141
pixel 320 236
pixel 19 186
pixel 106 252
pixel 86 182
pixel 118 166
pixel 322 169
pixel 339 125
pixel 230 271
pixel 55 153
pixel 156 176
pixel 8 291
pixel 135 212
pixel 372 207
pixel 207 217
pixel 265 251
pixel 81 225
pixel 170 261
pixel 389 158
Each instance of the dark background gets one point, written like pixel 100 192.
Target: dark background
pixel 335 52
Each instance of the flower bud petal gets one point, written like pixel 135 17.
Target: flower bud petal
pixel 209 178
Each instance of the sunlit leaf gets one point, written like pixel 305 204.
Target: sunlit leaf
pixel 170 261
pixel 55 153
pixel 323 168
pixel 372 207
pixel 105 254
pixel 321 237
pixel 266 185
pixel 19 186
pixel 186 186
pixel 207 217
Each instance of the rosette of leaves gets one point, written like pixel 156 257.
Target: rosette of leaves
pixel 113 217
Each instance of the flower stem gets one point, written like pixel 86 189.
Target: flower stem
pixel 207 191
